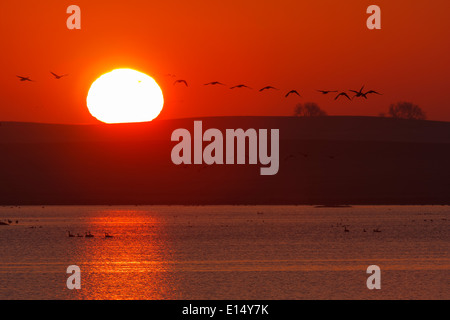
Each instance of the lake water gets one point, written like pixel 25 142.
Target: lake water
pixel 225 252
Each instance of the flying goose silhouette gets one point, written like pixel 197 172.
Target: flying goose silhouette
pixel 359 93
pixel 214 83
pixel 24 78
pixel 292 92
pixel 369 92
pixel 181 81
pixel 326 91
pixel 267 88
pixel 342 94
pixel 240 86
pixel 57 76
pixel 290 156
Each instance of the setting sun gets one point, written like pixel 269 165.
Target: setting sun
pixel 125 95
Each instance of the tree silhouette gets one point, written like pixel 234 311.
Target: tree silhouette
pixel 406 110
pixel 309 109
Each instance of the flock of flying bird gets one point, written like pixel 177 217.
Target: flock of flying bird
pixel 28 78
pixel 357 93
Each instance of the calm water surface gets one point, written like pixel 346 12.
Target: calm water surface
pixel 225 252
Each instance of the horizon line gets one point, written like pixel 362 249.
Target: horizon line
pixel 211 117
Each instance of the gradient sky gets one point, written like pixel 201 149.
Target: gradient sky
pixel 303 45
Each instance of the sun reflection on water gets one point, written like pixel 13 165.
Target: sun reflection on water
pixel 131 264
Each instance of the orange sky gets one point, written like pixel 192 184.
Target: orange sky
pixel 303 45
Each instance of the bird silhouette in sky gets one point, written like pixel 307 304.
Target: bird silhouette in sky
pixel 358 93
pixel 292 92
pixel 181 81
pixel 342 94
pixel 24 78
pixel 213 83
pixel 370 92
pixel 240 86
pixel 326 91
pixel 267 88
pixel 57 76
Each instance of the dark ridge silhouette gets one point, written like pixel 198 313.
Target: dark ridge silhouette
pixel 303 154
pixel 290 156
pixel 378 161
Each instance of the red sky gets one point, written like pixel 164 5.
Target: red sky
pixel 303 45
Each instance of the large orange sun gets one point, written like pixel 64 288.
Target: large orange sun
pixel 125 95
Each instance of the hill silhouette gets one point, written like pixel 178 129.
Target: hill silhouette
pixel 323 160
